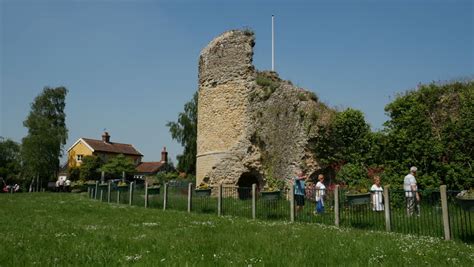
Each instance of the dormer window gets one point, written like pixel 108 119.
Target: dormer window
pixel 79 157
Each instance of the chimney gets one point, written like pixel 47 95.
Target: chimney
pixel 106 137
pixel 164 155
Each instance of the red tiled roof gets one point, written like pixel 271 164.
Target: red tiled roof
pixel 111 147
pixel 149 167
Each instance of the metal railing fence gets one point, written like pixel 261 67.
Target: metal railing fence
pixel 438 213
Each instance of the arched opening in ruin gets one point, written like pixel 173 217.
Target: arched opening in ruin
pixel 245 182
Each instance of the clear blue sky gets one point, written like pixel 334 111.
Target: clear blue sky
pixel 131 65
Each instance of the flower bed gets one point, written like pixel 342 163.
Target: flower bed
pixel 465 199
pixel 122 187
pixel 154 190
pixel 358 198
pixel 202 192
pixel 271 195
pixel 103 186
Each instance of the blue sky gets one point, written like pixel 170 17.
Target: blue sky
pixel 131 65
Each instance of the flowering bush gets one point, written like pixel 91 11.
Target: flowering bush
pixel 203 185
pixel 78 186
pixel 122 183
pixel 355 177
pixel 273 184
pixel 90 182
pixel 467 194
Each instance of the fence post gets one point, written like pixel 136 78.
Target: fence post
pixel 219 200
pixel 88 191
pixel 190 195
pixel 108 192
pixel 96 189
pixel 130 194
pixel 444 207
pixel 118 196
pixel 292 203
pixel 101 195
pixel 146 194
pixel 386 200
pixel 165 196
pixel 336 206
pixel 254 200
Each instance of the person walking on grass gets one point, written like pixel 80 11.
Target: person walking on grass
pixel 320 192
pixel 299 189
pixel 411 192
pixel 376 195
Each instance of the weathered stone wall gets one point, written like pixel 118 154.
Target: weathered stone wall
pixel 224 67
pixel 248 121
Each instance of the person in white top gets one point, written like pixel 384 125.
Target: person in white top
pixel 411 192
pixel 377 197
pixel 320 192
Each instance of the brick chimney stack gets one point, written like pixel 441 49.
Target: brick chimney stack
pixel 164 155
pixel 106 137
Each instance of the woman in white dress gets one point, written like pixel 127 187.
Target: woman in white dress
pixel 377 195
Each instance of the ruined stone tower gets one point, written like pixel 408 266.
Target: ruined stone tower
pixel 251 125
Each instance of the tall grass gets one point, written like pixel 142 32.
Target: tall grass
pixel 70 229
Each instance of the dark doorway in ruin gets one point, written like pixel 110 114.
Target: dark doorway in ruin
pixel 329 175
pixel 245 184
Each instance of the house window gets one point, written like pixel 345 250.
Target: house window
pixel 79 157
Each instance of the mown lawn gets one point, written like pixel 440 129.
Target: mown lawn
pixel 70 229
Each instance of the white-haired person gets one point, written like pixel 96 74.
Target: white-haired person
pixel 377 197
pixel 411 192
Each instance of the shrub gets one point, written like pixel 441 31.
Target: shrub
pixel 248 31
pixel 268 83
pixel 354 176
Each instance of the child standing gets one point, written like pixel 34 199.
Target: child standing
pixel 320 192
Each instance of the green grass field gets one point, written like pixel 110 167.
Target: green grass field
pixel 70 229
pixel 429 223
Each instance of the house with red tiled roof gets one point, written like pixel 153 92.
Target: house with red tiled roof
pixel 104 149
pixel 152 168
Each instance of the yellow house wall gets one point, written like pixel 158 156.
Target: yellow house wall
pixel 78 149
pixel 81 149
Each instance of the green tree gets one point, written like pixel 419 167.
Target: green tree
pixel 90 168
pixel 346 139
pixel 185 132
pixel 47 133
pixel 117 165
pixel 10 162
pixel 433 128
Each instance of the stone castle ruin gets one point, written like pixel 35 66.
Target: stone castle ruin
pixel 251 125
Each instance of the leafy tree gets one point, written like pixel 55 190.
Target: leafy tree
pixel 354 176
pixel 433 128
pixel 10 162
pixel 163 177
pixel 117 165
pixel 74 173
pixel 89 169
pixel 47 133
pixel 185 132
pixel 346 139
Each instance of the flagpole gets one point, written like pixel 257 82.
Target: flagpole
pixel 273 43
